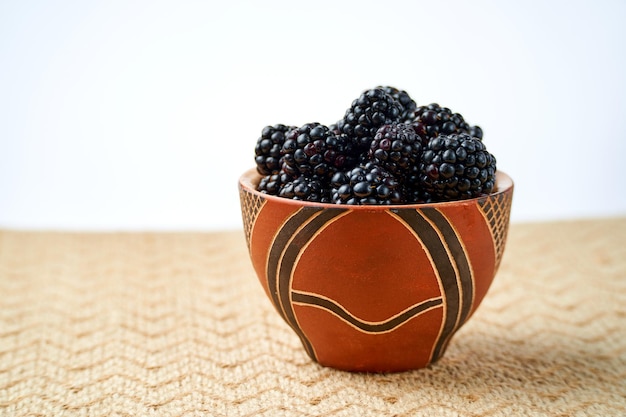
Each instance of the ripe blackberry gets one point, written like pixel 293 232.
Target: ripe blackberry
pixel 396 147
pixel 366 184
pixel 433 120
pixel 367 113
pixel 455 167
pixel 303 150
pixel 268 147
pixel 314 150
pixel 408 104
pixel 306 189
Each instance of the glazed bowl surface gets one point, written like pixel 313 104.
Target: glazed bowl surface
pixel 375 288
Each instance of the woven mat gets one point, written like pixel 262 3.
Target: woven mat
pixel 176 324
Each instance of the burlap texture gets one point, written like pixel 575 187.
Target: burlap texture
pixel 176 324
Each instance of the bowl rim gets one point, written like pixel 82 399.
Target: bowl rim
pixel 250 178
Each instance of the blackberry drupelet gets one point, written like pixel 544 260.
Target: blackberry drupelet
pixel 396 147
pixel 367 113
pixel 365 184
pixel 433 120
pixel 267 150
pixel 408 104
pixel 455 167
pixel 476 132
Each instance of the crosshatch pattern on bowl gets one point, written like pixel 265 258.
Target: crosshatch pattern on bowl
pixel 251 205
pixel 497 212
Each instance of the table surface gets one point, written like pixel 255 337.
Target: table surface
pixel 176 324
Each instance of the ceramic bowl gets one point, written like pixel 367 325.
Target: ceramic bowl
pixel 375 288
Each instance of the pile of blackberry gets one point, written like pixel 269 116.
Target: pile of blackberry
pixel 385 150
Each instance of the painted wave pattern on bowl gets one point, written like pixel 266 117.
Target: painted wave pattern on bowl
pixel 335 289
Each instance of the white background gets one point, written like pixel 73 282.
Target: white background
pixel 131 115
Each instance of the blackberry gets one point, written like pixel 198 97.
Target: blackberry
pixel 306 189
pixel 396 147
pixel 303 150
pixel 455 167
pixel 367 113
pixel 433 120
pixel 366 184
pixel 314 150
pixel 267 150
pixel 408 104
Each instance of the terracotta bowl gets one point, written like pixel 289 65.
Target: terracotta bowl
pixel 375 288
